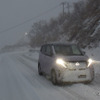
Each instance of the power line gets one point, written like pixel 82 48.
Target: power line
pixel 24 22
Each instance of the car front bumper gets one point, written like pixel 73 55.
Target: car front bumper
pixel 77 75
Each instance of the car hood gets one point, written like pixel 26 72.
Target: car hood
pixel 74 58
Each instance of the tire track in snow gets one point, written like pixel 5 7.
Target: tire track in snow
pixel 29 58
pixel 13 85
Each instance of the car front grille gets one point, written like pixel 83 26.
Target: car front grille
pixel 75 65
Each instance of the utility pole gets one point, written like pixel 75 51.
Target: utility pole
pixel 63 5
pixel 68 7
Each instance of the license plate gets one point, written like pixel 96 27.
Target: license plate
pixel 82 76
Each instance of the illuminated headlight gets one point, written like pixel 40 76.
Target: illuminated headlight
pixel 90 61
pixel 61 62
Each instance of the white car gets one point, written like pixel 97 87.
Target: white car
pixel 65 63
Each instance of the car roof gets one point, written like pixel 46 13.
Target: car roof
pixel 58 44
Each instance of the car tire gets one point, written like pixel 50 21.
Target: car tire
pixel 93 75
pixel 54 77
pixel 39 70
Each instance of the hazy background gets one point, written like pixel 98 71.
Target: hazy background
pixel 14 12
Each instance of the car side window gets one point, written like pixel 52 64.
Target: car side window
pixel 49 51
pixel 43 49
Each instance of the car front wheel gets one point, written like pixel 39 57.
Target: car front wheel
pixel 53 77
pixel 39 70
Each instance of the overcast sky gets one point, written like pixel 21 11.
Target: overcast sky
pixel 14 12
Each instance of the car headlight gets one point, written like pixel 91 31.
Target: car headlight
pixel 90 61
pixel 61 62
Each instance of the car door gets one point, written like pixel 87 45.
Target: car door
pixel 42 58
pixel 48 59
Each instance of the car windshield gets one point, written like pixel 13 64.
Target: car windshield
pixel 67 50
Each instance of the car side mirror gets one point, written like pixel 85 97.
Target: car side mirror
pixel 83 52
pixel 51 55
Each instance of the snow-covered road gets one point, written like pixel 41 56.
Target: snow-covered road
pixel 19 80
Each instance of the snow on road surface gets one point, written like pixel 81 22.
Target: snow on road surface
pixel 19 80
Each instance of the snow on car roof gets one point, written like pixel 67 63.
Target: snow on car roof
pixel 59 44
